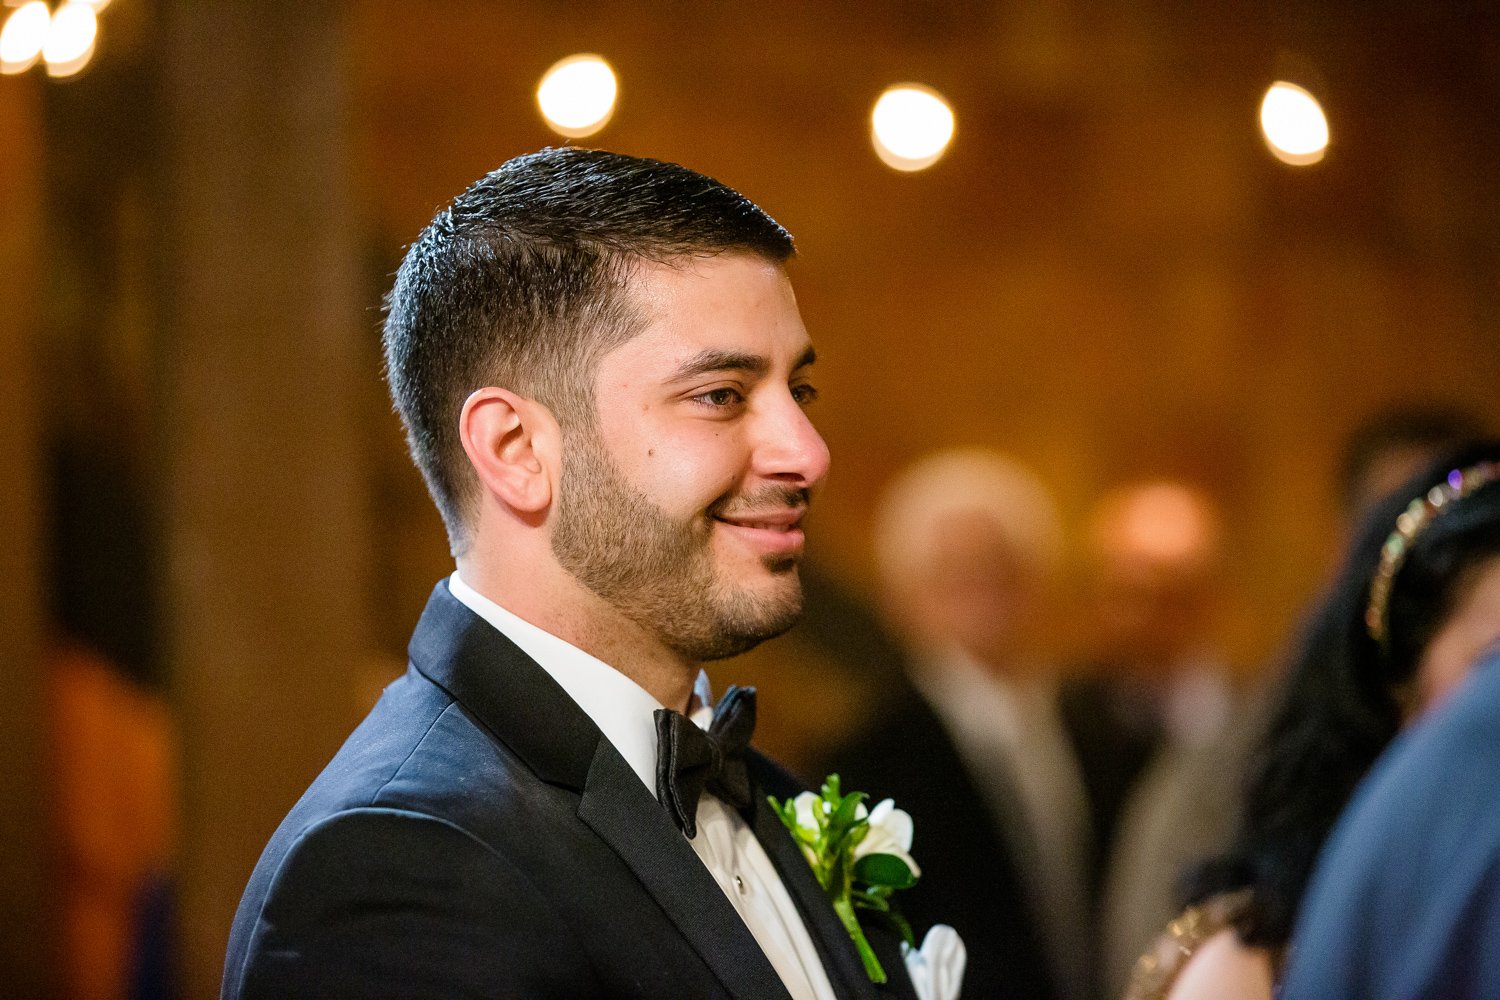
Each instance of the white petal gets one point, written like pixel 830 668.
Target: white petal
pixel 805 804
pixel 946 957
pixel 899 827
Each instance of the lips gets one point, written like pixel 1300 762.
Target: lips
pixel 779 520
pixel 773 532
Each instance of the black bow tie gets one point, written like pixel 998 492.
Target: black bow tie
pixel 688 760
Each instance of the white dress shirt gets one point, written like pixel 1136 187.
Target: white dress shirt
pixel 625 714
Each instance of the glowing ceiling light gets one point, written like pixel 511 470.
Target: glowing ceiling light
pixel 1294 125
pixel 24 35
pixel 577 95
pixel 70 39
pixel 911 126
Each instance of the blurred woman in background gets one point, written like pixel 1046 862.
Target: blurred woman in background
pixel 1416 601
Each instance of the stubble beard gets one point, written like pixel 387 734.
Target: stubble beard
pixel 659 571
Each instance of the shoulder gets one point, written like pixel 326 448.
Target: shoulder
pixel 1421 838
pixel 386 902
pixel 1432 788
pixel 409 846
pixel 1200 955
pixel 420 751
pixel 1224 968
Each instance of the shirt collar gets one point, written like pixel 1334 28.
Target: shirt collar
pixel 624 711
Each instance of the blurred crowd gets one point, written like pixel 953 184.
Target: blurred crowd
pixel 1067 808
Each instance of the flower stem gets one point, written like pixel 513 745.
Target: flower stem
pixel 845 910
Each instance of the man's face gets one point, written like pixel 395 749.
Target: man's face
pixel 976 589
pixel 682 505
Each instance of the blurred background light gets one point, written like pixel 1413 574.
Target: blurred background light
pixel 577 95
pixel 70 39
pixel 24 35
pixel 1294 125
pixel 911 126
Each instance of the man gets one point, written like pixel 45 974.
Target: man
pixel 603 376
pixel 1148 711
pixel 1405 900
pixel 967 543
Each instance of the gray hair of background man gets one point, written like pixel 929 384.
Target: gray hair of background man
pixel 956 482
pixel 523 282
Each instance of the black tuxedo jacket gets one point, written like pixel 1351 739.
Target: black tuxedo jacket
pixel 971 876
pixel 478 837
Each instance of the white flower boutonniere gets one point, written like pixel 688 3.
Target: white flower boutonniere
pixel 860 857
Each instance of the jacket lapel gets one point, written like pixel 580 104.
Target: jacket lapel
pixel 511 696
pixel 619 809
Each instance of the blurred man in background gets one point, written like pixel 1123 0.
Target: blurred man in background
pixel 968 545
pixel 1153 695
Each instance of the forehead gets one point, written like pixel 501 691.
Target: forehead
pixel 732 302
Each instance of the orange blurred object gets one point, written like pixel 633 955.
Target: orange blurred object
pixel 115 812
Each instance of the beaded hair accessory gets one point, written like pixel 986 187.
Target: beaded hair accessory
pixel 1413 521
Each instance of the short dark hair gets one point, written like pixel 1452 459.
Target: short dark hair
pixel 521 282
pixel 1337 707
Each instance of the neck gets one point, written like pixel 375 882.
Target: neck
pixel 553 600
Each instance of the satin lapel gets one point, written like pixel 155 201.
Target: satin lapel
pixel 840 959
pixel 502 687
pixel 619 809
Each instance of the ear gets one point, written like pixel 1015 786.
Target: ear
pixel 512 445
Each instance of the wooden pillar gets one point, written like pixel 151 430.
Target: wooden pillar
pixel 263 476
pixel 26 956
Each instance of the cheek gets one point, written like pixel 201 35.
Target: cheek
pixel 1473 629
pixel 685 473
pixel 1450 656
pixel 1441 670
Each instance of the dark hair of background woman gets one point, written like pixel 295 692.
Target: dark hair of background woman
pixel 1337 706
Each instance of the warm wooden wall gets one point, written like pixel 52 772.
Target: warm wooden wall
pixel 1107 276
pixel 27 916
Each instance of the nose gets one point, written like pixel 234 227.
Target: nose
pixel 789 448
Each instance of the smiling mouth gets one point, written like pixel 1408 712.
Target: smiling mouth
pixel 775 535
pixel 780 521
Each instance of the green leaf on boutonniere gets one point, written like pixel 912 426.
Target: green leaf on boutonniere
pixel 844 815
pixel 859 855
pixel 884 870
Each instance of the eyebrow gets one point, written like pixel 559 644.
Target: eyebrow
pixel 710 360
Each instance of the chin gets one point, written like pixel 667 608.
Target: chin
pixel 783 565
pixel 741 637
pixel 782 586
pixel 743 618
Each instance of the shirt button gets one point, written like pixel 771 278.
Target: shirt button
pixel 739 884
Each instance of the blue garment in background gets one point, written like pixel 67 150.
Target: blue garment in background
pixel 1405 901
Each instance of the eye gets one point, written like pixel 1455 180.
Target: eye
pixel 805 394
pixel 722 397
